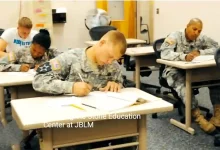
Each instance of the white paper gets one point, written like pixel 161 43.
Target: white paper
pixel 110 101
pixel 203 58
pixel 23 74
pixel 58 103
pixel 105 101
pixel 31 71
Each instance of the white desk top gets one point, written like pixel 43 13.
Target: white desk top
pixel 187 65
pixel 33 113
pixel 129 42
pixel 15 78
pixel 140 51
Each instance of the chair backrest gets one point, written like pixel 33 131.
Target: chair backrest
pixel 217 57
pixel 156 46
pixel 1 31
pixel 96 33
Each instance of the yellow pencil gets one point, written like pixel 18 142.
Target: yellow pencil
pixel 77 107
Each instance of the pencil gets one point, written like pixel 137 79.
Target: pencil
pixel 81 77
pixel 76 106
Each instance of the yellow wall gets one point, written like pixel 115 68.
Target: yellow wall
pixel 128 25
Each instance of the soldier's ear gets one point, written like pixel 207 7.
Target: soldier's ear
pixel 102 42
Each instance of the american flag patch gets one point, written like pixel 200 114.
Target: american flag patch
pixel 11 56
pixel 55 64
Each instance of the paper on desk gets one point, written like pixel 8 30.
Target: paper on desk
pixel 203 58
pixel 64 102
pixel 109 101
pixel 22 74
pixel 31 71
pixel 106 101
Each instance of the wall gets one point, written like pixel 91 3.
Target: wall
pixel 144 10
pixel 174 15
pixel 71 34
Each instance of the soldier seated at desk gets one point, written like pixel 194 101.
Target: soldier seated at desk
pixel 27 58
pixel 82 70
pixel 185 45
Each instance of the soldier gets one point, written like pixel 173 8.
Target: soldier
pixel 82 70
pixel 26 58
pixel 79 70
pixel 185 45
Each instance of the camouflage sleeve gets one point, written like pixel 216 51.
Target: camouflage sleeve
pixel 7 63
pixel 209 46
pixel 116 72
pixel 167 48
pixel 50 77
pixel 42 60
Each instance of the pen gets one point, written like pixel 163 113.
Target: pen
pixel 89 106
pixel 81 77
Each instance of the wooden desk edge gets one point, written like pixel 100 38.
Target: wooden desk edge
pixel 184 66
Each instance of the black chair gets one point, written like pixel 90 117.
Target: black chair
pixel 163 82
pixel 144 72
pixel 96 33
pixel 217 57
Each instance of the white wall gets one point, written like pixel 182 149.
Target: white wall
pixel 71 34
pixel 175 15
pixel 143 9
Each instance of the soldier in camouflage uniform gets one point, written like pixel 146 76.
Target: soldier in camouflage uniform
pixel 26 58
pixel 96 65
pixel 185 45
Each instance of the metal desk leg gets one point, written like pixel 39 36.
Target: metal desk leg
pixel 187 125
pixel 142 129
pixel 137 72
pixel 2 107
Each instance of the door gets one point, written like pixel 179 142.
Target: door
pixel 123 15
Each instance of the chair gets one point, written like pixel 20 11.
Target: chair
pixel 217 57
pixel 144 72
pixel 96 33
pixel 163 82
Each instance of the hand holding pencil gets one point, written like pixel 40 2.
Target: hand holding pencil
pixel 81 88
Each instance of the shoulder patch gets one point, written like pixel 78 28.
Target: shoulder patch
pixel 11 56
pixel 46 67
pixel 55 64
pixel 169 41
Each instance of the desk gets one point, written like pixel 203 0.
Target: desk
pixel 21 87
pixel 34 113
pixel 144 56
pixel 129 42
pixel 195 72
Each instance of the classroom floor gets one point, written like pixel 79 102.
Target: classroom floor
pixel 161 134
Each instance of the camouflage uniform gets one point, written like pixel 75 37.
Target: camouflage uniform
pixel 53 52
pixel 175 48
pixel 13 60
pixel 59 74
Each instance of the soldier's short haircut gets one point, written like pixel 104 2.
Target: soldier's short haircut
pixel 118 39
pixel 25 22
pixel 195 20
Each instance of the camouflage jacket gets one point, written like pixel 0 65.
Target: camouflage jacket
pixel 13 60
pixel 176 47
pixel 58 75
